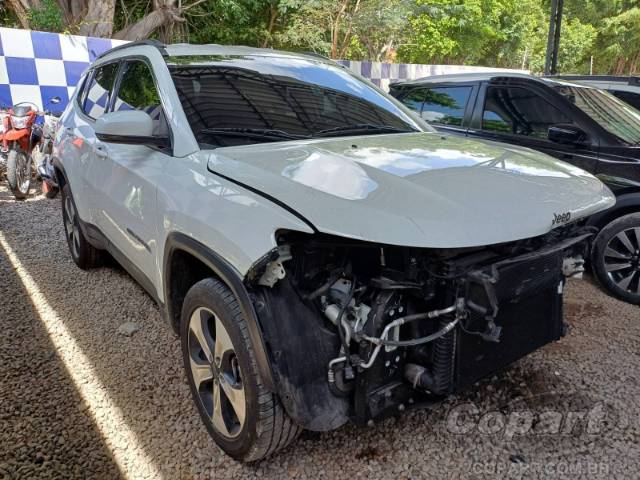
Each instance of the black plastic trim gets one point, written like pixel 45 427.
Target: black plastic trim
pixel 99 240
pixel 232 278
pixel 162 142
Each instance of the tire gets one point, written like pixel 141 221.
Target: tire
pixel 266 428
pixel 616 258
pixel 19 173
pixel 82 252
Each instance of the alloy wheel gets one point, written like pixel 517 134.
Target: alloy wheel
pixel 71 226
pixel 216 373
pixel 622 260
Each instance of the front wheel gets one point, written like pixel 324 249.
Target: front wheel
pixel 19 173
pixel 246 420
pixel 616 258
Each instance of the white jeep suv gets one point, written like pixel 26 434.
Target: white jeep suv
pixel 325 255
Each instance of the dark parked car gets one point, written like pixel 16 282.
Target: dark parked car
pixel 625 88
pixel 583 125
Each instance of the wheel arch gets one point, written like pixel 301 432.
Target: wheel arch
pixel 187 261
pixel 625 204
pixel 61 175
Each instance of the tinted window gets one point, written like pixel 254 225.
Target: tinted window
pixel 519 111
pixel 95 98
pixel 137 91
pixel 258 99
pixel 612 114
pixel 446 105
pixel 414 99
pixel 631 98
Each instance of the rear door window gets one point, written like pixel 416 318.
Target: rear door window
pixel 446 105
pixel 96 95
pixel 519 111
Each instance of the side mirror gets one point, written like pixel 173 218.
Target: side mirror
pixel 566 133
pixel 128 126
pixel 55 100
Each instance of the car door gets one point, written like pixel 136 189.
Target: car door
pixel 446 107
pixel 125 176
pixel 76 147
pixel 521 115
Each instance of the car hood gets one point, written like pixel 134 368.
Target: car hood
pixel 416 189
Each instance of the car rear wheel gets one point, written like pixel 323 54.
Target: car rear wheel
pixel 616 257
pixel 82 252
pixel 246 421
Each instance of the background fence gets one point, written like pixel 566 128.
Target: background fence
pixel 36 66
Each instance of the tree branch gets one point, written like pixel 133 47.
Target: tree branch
pixel 163 15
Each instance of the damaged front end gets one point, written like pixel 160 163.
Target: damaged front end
pixel 360 331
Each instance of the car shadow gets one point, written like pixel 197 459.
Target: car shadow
pixel 144 378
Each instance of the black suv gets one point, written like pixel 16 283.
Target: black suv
pixel 582 125
pixel 626 89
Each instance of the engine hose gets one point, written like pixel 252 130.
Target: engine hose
pixel 422 340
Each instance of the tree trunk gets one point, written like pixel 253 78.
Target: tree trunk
pixel 335 28
pixel 165 13
pixel 346 40
pixel 273 16
pixel 21 9
pixel 72 11
pixel 98 22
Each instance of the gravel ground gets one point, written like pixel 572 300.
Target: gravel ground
pixel 81 396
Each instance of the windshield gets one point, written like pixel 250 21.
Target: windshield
pixel 240 100
pixel 615 116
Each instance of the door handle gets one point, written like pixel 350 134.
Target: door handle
pixel 69 131
pixel 101 151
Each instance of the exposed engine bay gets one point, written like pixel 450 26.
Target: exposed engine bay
pixel 361 331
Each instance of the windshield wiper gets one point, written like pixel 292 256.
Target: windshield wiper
pixel 362 128
pixel 265 133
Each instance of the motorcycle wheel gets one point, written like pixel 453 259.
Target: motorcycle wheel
pixel 19 173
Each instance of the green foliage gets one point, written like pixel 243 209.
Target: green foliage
pixel 47 18
pixel 496 33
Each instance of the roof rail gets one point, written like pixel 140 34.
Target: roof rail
pixel 318 55
pixel 631 80
pixel 150 41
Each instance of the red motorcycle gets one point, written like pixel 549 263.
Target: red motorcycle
pixel 4 114
pixel 18 141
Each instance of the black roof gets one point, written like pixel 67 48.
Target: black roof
pixel 468 77
pixel 478 77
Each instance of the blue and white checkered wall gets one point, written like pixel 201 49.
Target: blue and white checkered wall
pixel 37 66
